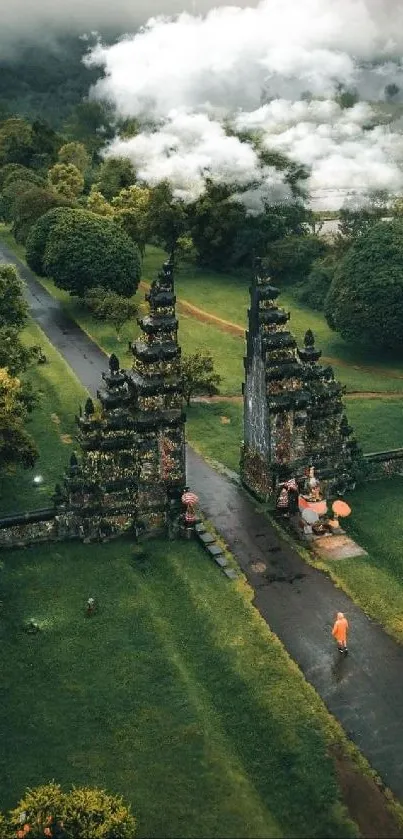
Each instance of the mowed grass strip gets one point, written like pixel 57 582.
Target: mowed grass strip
pixel 52 424
pixel 175 694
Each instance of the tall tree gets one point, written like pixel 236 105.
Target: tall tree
pixel 115 174
pixel 16 445
pixel 365 300
pixel 66 180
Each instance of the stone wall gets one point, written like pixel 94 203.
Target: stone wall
pixel 384 464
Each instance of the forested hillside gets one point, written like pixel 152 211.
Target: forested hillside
pixel 45 81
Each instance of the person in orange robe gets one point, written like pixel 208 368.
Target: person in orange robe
pixel 339 632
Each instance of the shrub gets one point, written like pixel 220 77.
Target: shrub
pixel 84 250
pixel 83 813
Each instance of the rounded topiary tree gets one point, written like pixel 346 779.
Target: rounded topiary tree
pixel 38 236
pixel 365 299
pixel 84 250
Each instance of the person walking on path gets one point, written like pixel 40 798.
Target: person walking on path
pixel 339 632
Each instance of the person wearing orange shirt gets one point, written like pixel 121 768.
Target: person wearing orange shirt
pixel 339 632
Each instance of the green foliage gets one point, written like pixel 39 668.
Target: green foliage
pixel 227 237
pixel 134 213
pixel 313 291
pixel 83 251
pixel 66 180
pixel 199 375
pixel 291 258
pixel 90 123
pixel 109 306
pixel 38 236
pixel 30 206
pixel 365 300
pixel 13 307
pixel 115 174
pixel 15 142
pixel 46 78
pixel 75 154
pixel 167 216
pixel 16 445
pixel 347 98
pixel 353 223
pixel 10 169
pixel 47 811
pixel 14 187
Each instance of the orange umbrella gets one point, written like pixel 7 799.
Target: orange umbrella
pixel 340 508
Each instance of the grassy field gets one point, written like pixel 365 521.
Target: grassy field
pixel 51 424
pixel 376 581
pixel 174 694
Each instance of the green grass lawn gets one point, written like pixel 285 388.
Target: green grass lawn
pixel 51 424
pixel 175 694
pixel 376 581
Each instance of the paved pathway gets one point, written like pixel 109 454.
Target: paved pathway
pixel 364 690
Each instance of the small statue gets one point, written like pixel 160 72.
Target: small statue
pixel 283 501
pixel 90 607
pixel 314 485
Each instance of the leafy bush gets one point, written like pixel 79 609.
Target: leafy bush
pixel 365 299
pixel 84 250
pixel 38 236
pixel 313 292
pixel 83 813
pixel 111 307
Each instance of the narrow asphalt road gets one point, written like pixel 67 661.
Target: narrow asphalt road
pixel 363 690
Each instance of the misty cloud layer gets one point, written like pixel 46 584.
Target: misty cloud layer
pixel 44 19
pixel 255 66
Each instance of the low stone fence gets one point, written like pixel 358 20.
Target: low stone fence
pixel 384 464
pixel 26 528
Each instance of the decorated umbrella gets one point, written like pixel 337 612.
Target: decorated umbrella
pixel 340 508
pixel 309 516
pixel 190 499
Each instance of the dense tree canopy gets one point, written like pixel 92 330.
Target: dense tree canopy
pixel 365 300
pixel 13 307
pixel 16 445
pixel 83 251
pixel 115 174
pixel 291 258
pixel 66 180
pixel 74 153
pixel 28 207
pixel 38 236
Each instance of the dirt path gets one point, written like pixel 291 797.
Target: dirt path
pixel 353 394
pixel 186 308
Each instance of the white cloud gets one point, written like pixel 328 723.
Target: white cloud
pixel 192 72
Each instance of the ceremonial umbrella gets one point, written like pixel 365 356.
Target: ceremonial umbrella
pixel 340 508
pixel 189 498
